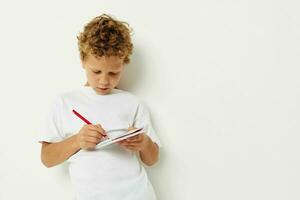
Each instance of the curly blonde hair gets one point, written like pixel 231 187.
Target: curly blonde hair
pixel 105 36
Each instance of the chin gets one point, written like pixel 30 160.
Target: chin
pixel 105 93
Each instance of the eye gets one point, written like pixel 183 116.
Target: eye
pixel 97 72
pixel 113 74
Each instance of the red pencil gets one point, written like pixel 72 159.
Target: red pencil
pixel 81 117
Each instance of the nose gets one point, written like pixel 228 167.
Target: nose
pixel 104 80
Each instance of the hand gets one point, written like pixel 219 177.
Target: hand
pixel 135 143
pixel 89 136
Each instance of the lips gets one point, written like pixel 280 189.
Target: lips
pixel 103 88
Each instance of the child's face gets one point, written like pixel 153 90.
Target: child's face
pixel 103 74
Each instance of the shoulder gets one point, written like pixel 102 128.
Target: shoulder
pixel 76 93
pixel 139 102
pixel 72 94
pixel 126 95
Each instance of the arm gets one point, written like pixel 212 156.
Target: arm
pixel 55 153
pixel 142 143
pixel 149 155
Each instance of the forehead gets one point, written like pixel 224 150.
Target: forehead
pixel 104 63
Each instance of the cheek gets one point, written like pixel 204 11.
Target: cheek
pixel 92 78
pixel 115 79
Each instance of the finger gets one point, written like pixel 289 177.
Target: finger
pixel 133 141
pixel 124 143
pixel 130 147
pixel 97 128
pixel 94 133
pixel 102 131
pixel 93 140
pixel 137 138
pixel 130 128
pixel 133 144
pixel 134 138
pixel 87 145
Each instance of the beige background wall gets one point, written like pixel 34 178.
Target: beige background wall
pixel 221 79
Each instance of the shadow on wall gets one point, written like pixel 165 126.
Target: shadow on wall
pixel 133 72
pixel 132 78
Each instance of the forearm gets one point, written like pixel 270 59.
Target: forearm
pixel 55 153
pixel 149 155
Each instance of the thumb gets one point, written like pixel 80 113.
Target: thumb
pixel 130 128
pixel 101 130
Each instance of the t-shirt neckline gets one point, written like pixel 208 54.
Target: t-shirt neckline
pixel 91 91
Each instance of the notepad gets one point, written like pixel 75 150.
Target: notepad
pixel 123 136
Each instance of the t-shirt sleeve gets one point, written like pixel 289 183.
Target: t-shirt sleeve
pixel 51 130
pixel 142 120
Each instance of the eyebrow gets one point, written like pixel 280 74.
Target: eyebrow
pixel 96 70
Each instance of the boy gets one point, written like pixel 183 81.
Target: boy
pixel 113 172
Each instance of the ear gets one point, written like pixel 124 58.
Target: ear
pixel 82 63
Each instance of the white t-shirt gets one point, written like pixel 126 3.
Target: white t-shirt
pixel 112 172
